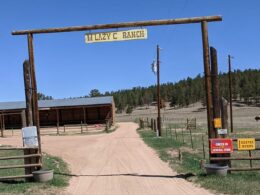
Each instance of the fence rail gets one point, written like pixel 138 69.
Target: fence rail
pixel 31 162
pixel 198 141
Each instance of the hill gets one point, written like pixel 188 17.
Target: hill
pixel 246 88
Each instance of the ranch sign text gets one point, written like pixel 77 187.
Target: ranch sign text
pixel 116 36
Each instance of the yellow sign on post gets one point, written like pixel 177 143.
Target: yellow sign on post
pixel 246 144
pixel 217 123
pixel 116 36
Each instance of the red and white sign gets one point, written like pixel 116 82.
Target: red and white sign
pixel 221 146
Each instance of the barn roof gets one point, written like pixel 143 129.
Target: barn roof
pixel 59 103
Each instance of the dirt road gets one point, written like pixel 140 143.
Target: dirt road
pixel 118 163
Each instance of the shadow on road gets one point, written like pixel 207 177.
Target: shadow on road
pixel 182 176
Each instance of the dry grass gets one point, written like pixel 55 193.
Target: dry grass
pixel 244 116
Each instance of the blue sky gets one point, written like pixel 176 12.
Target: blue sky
pixel 67 67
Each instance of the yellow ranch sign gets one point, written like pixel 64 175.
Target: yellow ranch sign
pixel 246 144
pixel 116 36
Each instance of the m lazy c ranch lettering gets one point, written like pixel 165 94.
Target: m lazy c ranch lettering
pixel 116 36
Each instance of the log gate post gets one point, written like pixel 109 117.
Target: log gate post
pixel 205 43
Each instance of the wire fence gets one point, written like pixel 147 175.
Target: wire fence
pixel 195 141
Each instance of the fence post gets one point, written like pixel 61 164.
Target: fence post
pixel 191 139
pixel 141 123
pixel 203 147
pixel 2 126
pixel 58 131
pixel 107 126
pixel 250 155
pixel 154 125
pixel 224 121
pixel 58 121
pixel 81 127
pixel 182 136
pixel 171 131
pixel 176 134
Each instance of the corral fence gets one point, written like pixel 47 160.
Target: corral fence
pixel 12 166
pixel 84 127
pixel 67 129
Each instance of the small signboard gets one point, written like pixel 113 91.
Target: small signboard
pixel 222 131
pixel 246 144
pixel 217 123
pixel 221 146
pixel 116 36
pixel 30 138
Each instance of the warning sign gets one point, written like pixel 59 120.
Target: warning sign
pixel 217 123
pixel 221 146
pixel 246 144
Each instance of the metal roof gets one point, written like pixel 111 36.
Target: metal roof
pixel 59 103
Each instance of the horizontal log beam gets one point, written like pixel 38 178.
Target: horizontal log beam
pixel 233 158
pixel 15 177
pixel 20 157
pixel 20 166
pixel 121 25
pixel 245 169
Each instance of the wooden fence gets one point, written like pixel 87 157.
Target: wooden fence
pixel 249 158
pixel 31 162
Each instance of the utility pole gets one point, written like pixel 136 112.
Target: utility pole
pixel 158 92
pixel 230 92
